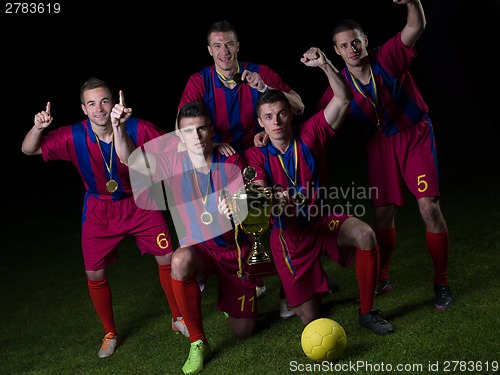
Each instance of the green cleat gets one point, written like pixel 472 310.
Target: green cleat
pixel 197 355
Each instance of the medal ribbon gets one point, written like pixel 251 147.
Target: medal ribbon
pixel 226 79
pixel 110 166
pixel 203 199
pixel 284 246
pixel 240 256
pixel 373 103
pixel 296 163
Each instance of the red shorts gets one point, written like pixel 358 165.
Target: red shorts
pixel 106 223
pixel 305 248
pixel 236 296
pixel 405 158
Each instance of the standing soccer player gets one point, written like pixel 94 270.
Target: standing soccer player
pixel 401 145
pixel 109 212
pixel 230 89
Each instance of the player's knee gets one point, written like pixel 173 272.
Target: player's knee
pixel 365 237
pixel 430 211
pixel 243 328
pixel 181 267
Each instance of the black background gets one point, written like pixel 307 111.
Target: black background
pixel 149 50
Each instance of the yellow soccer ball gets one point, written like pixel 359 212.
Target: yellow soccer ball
pixel 323 340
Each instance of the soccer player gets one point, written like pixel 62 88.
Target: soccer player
pixel 401 146
pixel 109 211
pixel 194 179
pixel 230 88
pixel 306 229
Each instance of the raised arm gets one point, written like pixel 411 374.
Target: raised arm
pixel 32 140
pixel 255 81
pixel 415 22
pixel 123 143
pixel 296 103
pixel 336 109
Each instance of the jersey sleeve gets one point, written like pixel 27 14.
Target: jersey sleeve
pixel 148 131
pixel 255 158
pixel 325 98
pixel 395 56
pixel 54 145
pixel 272 79
pixel 193 91
pixel 316 133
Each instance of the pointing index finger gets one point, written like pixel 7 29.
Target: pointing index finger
pixel 122 98
pixel 47 108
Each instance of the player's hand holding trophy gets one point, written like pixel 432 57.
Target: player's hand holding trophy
pixel 252 208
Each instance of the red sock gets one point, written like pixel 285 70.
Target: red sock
pixel 366 272
pixel 188 297
pixel 101 298
pixel 166 284
pixel 386 239
pixel 437 244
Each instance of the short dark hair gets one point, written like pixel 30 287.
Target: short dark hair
pixel 346 25
pixel 93 83
pixel 271 96
pixel 221 27
pixel 193 109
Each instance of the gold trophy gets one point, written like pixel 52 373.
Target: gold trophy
pixel 256 201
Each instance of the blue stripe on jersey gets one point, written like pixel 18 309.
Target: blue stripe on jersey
pixel 191 213
pixel 188 198
pixel 255 95
pixel 396 102
pixel 82 137
pixel 83 153
pixel 402 98
pixel 85 207
pixel 306 155
pixel 209 99
pixel 233 106
pixel 433 141
pixel 223 179
pixel 132 127
pixel 308 170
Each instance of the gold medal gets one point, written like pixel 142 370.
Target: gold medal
pixel 112 185
pixel 206 218
pixel 299 199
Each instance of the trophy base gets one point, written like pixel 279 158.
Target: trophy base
pixel 258 270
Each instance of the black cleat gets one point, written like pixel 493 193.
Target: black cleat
pixel 333 284
pixel 383 287
pixel 444 298
pixel 375 322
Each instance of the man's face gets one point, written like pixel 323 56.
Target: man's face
pixel 196 133
pixel 97 106
pixel 224 49
pixel 276 119
pixel 351 46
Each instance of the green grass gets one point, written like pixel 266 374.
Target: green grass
pixel 50 327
